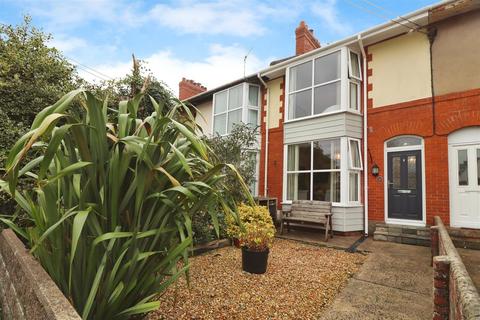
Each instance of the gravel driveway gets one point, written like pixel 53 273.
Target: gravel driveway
pixel 301 280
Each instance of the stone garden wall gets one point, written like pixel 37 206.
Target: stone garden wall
pixel 26 290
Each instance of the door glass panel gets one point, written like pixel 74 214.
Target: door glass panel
pixel 478 167
pixel 403 142
pixel 396 172
pixel 412 172
pixel 462 168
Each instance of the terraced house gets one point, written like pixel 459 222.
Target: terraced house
pixel 384 124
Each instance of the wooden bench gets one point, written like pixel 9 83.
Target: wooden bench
pixel 315 212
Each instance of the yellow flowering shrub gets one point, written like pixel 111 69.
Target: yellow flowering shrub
pixel 258 230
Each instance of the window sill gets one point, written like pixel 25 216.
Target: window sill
pixel 334 204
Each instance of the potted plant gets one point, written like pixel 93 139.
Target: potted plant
pixel 255 235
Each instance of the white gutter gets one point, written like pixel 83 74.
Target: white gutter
pixel 267 92
pixel 365 138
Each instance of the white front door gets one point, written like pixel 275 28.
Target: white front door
pixel 464 171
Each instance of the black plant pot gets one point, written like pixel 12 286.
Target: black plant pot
pixel 254 261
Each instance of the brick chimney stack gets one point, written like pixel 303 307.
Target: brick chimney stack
pixel 188 88
pixel 305 40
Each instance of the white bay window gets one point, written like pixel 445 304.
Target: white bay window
pixel 324 170
pixel 234 105
pixel 323 85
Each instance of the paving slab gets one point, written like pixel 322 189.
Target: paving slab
pixel 394 283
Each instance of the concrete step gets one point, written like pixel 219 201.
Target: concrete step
pixel 402 234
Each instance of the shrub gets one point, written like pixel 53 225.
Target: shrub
pixel 203 227
pixel 238 148
pixel 112 205
pixel 255 230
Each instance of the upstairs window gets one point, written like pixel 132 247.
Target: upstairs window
pixel 314 87
pixel 324 85
pixel 234 105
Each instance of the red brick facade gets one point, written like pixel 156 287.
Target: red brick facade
pixel 275 152
pixel 452 112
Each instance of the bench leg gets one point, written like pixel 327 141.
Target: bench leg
pixel 281 227
pixel 326 230
pixel 331 226
pixel 288 226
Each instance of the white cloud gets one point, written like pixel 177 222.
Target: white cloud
pixel 328 12
pixel 67 44
pixel 223 64
pixel 239 18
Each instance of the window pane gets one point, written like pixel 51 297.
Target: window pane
pixel 478 167
pixel 326 186
pixel 253 117
pixel 220 102
pixel 327 68
pixel 298 186
pixel 235 97
pixel 300 76
pixel 327 98
pixel 220 123
pixel 412 172
pixel 396 172
pixel 462 168
pixel 355 67
pixel 353 186
pixel 355 154
pixel 404 141
pixel 326 154
pixel 300 104
pixel 298 157
pixel 234 117
pixel 253 95
pixel 354 96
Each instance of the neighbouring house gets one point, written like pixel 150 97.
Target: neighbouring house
pixel 395 108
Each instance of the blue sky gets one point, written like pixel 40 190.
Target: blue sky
pixel 202 40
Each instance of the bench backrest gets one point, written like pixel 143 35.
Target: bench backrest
pixel 311 209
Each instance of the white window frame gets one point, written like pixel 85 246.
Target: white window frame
pixel 245 107
pixel 311 171
pixel 344 79
pixel 351 167
pixel 344 172
pixel 354 170
pixel 350 73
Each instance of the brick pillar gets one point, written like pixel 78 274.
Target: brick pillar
pixel 441 296
pixel 434 242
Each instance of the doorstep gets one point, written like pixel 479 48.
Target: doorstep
pixel 402 234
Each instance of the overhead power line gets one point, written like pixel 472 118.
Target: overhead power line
pixel 389 11
pixel 375 13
